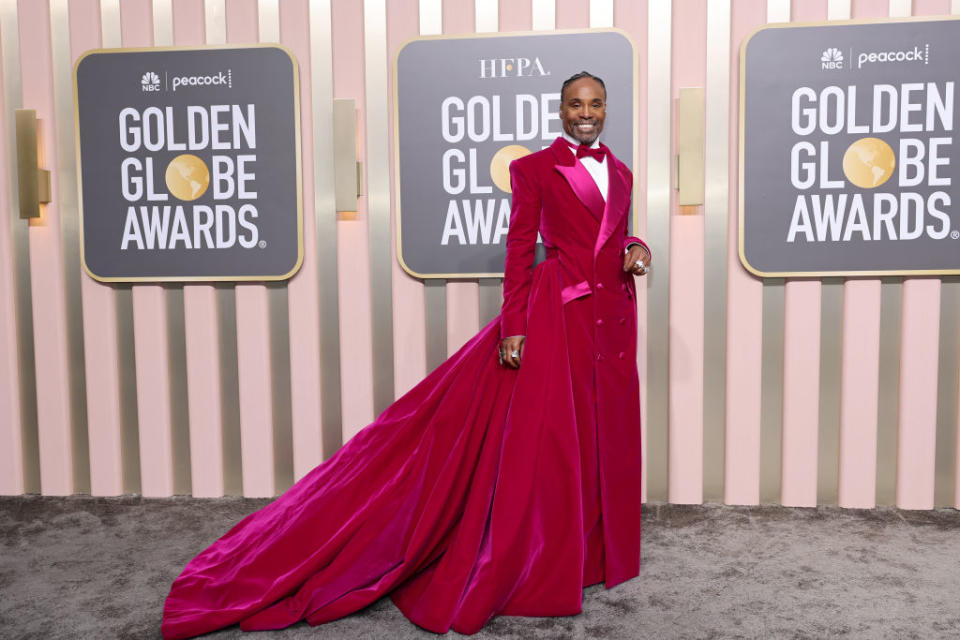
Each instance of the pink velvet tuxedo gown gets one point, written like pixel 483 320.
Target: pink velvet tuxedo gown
pixel 484 490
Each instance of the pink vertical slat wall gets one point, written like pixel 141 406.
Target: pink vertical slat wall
pixel 463 298
pixel 150 325
pixel 919 349
pixel 353 236
pixel 253 329
pixel 46 264
pixel 860 375
pixel 409 312
pixel 801 361
pixel 303 290
pixel 201 329
pixel 685 480
pixel 632 18
pixel 744 305
pixel 99 322
pixel 208 381
pixel 11 434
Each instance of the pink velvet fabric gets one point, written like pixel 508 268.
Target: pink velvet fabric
pixel 483 491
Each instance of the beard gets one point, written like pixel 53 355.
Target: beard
pixel 585 131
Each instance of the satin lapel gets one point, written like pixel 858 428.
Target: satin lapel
pixel 579 179
pixel 617 198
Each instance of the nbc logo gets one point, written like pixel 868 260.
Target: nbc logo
pixel 832 58
pixel 150 81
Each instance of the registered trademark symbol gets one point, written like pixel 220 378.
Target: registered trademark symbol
pixel 955 234
pixel 263 243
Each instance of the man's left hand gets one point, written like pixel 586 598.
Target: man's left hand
pixel 636 260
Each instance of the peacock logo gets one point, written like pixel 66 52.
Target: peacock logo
pixel 831 58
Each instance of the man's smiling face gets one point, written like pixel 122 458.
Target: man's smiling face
pixel 583 108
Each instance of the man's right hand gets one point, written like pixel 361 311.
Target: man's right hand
pixel 509 346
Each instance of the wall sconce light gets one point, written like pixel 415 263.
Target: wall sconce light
pixel 689 170
pixel 347 172
pixel 33 182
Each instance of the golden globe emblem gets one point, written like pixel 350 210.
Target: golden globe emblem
pixel 500 165
pixel 869 162
pixel 187 177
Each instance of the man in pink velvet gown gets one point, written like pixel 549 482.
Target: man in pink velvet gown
pixel 507 480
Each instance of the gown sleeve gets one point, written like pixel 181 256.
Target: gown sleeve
pixel 521 246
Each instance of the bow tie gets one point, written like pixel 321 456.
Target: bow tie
pixel 597 154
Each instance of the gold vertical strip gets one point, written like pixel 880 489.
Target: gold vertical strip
pixel 176 329
pixel 900 8
pixel 491 296
pixel 268 18
pixel 179 407
pixel 435 299
pixel 778 10
pixel 110 23
pixel 431 17
pixel 10 41
pixel 838 9
pixel 268 21
pixel 771 388
pixel 716 193
pixel 891 297
pixel 889 388
pixel 658 160
pixel 279 309
pixel 945 465
pixel 66 177
pixel 378 199
pixel 127 369
pixel 945 488
pixel 486 19
pixel 601 13
pixel 948 404
pixel 325 217
pixel 544 15
pixel 215 30
pixel 230 390
pixel 831 356
pixel 771 391
pixel 434 294
pixel 215 21
pixel 162 23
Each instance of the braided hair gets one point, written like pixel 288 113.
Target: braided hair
pixel 578 76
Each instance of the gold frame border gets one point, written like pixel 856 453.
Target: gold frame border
pixel 296 115
pixel 740 152
pixel 500 34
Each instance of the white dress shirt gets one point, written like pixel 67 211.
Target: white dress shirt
pixel 597 169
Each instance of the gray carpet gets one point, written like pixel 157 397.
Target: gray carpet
pixel 85 567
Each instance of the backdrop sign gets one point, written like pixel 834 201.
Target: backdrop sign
pixel 465 108
pixel 848 155
pixel 189 164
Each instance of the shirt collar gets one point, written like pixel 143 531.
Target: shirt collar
pixel 576 143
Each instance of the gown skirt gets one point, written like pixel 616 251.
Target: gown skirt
pixel 474 495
